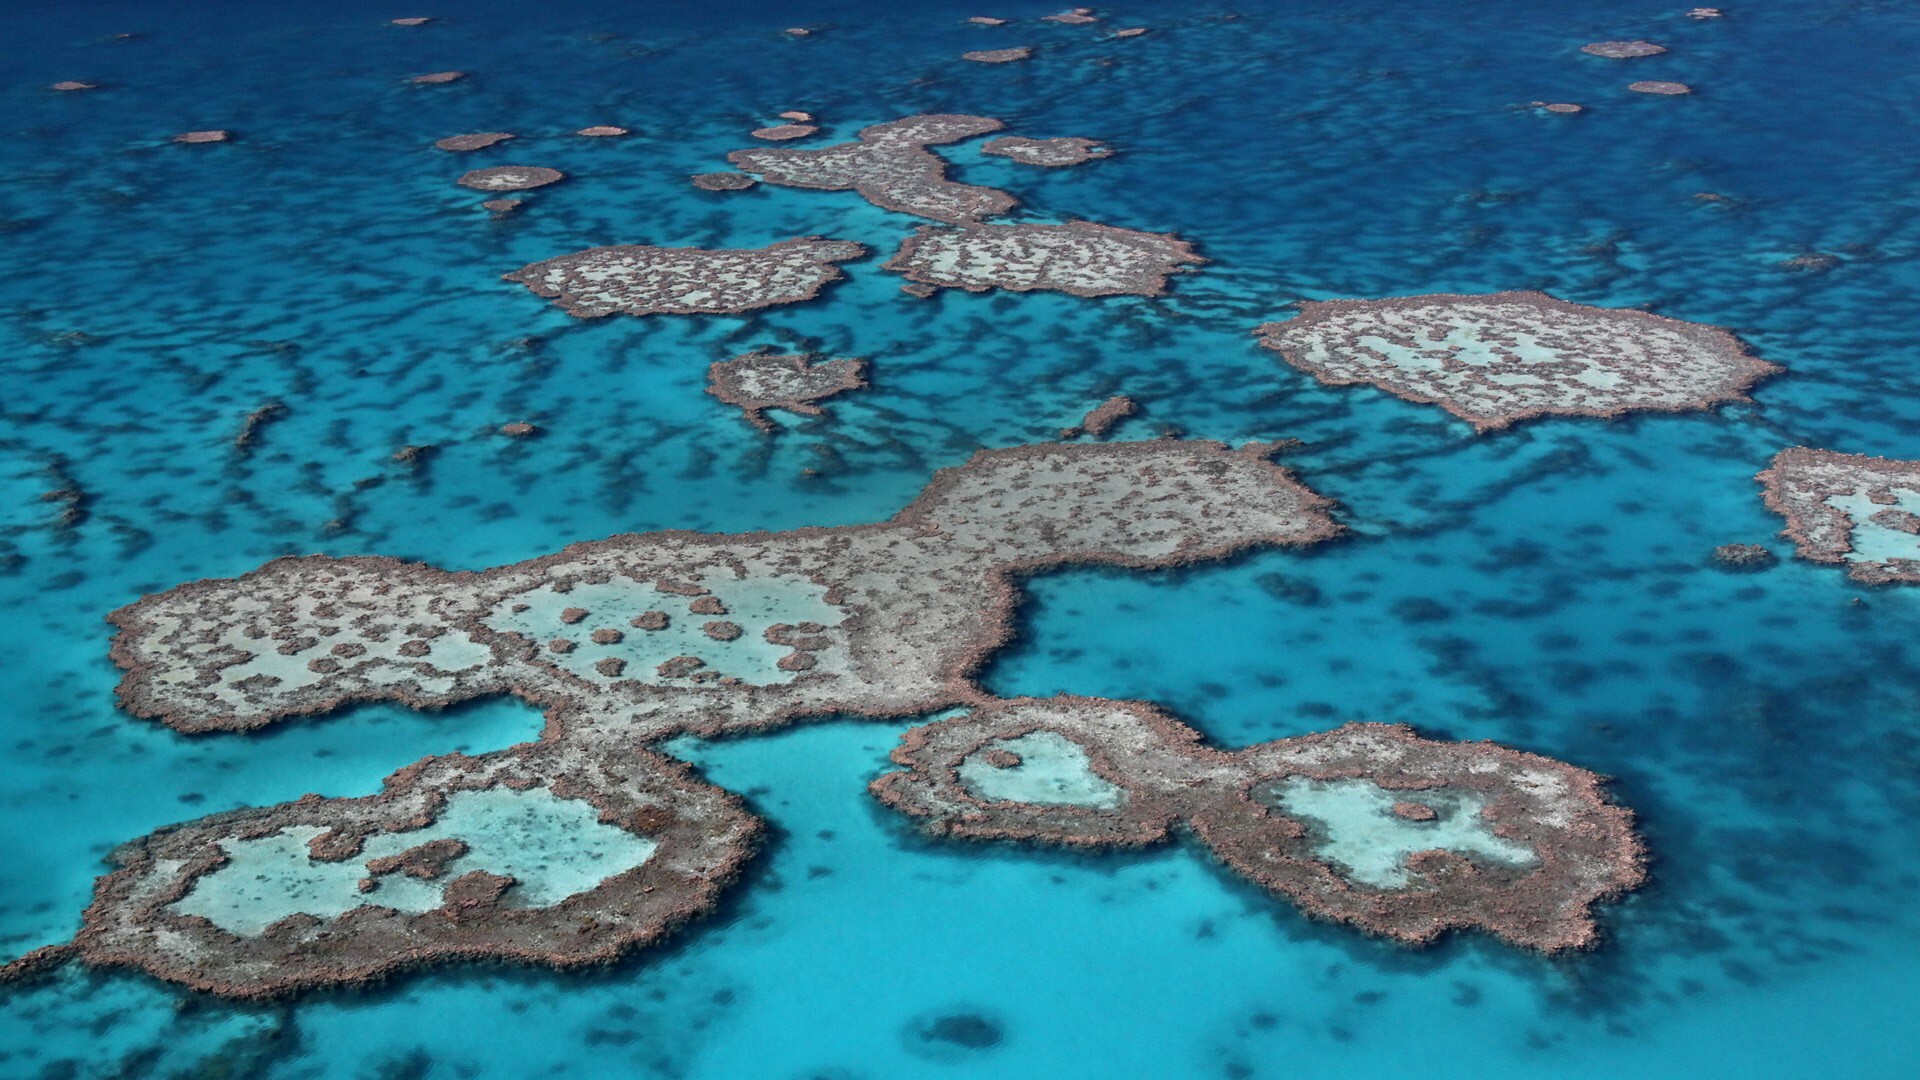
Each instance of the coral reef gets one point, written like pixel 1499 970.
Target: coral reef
pixel 1368 824
pixel 759 381
pixel 998 56
pixel 511 178
pixel 1080 257
pixel 1849 509
pixel 784 132
pixel 641 280
pixel 879 620
pixel 1101 418
pixel 478 141
pixel 890 166
pixel 690 838
pixel 723 181
pixel 1496 359
pixel 1052 153
pixel 1623 50
pixel 1744 556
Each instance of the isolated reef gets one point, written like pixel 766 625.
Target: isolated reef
pixel 1849 509
pixel 1079 257
pixel 1052 153
pixel 998 56
pixel 603 852
pixel 641 280
pixel 759 381
pixel 479 140
pixel 1368 824
pixel 511 178
pixel 722 181
pixel 784 132
pixel 1101 418
pixel 891 167
pixel 1623 50
pixel 1499 358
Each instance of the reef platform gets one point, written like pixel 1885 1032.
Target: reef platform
pixel 1496 359
pixel 1850 510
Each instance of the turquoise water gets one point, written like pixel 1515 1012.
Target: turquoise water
pixel 1548 587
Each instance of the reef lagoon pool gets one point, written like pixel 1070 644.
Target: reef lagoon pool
pixel 825 539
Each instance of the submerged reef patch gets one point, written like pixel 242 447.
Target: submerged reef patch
pixel 1849 509
pixel 460 144
pixel 784 132
pixel 1080 258
pixel 889 166
pixel 1368 824
pixel 511 178
pixel 623 642
pixel 998 56
pixel 1499 358
pixel 722 181
pixel 759 381
pixel 1101 418
pixel 641 280
pixel 1052 153
pixel 1623 50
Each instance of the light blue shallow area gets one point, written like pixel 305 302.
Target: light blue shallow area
pixel 1548 587
pixel 551 848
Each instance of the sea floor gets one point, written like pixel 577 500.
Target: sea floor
pixel 1549 587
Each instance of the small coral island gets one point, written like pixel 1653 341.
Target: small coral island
pixel 586 843
pixel 1851 510
pixel 1051 153
pixel 1079 258
pixel 1500 358
pixel 642 280
pixel 760 381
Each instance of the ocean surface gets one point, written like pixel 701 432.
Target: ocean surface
pixel 1550 587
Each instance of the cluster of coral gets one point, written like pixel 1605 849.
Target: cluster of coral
pixel 640 280
pixel 1368 824
pixel 584 844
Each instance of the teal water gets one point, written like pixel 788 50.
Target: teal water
pixel 1548 587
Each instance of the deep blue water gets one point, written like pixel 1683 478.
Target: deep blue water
pixel 1548 587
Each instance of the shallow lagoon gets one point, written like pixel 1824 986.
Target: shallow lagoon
pixel 1548 587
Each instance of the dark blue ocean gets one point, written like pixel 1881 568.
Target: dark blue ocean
pixel 1550 587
